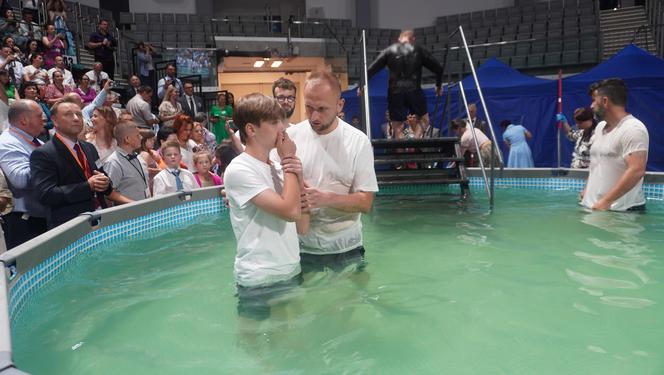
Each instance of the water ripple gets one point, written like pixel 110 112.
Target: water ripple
pixel 600 282
pixel 627 302
pixel 628 264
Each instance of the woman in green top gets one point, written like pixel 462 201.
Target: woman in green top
pixel 219 114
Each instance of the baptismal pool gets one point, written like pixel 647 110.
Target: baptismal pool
pixel 540 286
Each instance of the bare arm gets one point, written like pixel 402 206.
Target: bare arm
pixel 285 206
pixel 118 198
pixel 355 202
pixel 636 169
pixel 529 135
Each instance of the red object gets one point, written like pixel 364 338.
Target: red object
pixel 560 96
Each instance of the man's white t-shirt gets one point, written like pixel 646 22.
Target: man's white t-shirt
pixel 267 247
pixel 607 162
pixel 341 162
pixel 466 142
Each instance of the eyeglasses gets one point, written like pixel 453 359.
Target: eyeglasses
pixel 290 99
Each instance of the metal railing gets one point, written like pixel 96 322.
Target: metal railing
pixel 495 152
pixel 655 14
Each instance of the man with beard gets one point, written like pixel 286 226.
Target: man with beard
pixel 285 91
pixel 339 178
pixel 618 154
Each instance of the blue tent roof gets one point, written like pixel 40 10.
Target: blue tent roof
pixel 496 74
pixel 630 62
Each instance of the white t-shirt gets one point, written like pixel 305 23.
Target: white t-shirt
pixel 188 154
pixel 164 182
pixel 95 81
pixel 267 248
pixel 607 162
pixel 468 143
pixel 341 162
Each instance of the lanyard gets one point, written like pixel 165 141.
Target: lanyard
pixel 81 163
pixel 29 141
pixel 138 169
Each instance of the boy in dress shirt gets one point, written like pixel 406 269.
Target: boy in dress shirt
pixel 173 179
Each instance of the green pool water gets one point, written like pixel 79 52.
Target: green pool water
pixel 540 286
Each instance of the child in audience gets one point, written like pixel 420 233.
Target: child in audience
pixel 148 155
pixel 223 154
pixel 173 178
pixel 203 163
pixel 264 205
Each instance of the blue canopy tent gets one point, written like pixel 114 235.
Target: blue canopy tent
pixel 532 101
pixel 644 75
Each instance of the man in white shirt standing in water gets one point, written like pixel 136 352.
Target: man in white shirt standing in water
pixel 340 181
pixel 618 154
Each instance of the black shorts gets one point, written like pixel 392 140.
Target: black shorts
pixel 335 262
pixel 254 302
pixel 401 104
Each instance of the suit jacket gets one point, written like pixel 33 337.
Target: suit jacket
pixel 60 182
pixel 131 92
pixel 198 102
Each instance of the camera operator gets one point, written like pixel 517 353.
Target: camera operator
pixel 10 62
pixel 145 67
pixel 169 79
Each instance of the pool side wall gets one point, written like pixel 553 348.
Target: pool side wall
pixel 31 266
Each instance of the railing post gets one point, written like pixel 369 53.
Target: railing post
pixel 118 53
pixel 477 145
pixel 479 92
pixel 365 76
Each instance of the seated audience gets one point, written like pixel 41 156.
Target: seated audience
pixel 128 175
pixel 65 171
pixel 35 73
pixel 170 107
pixel 9 27
pixel 31 49
pixel 183 125
pixel 103 127
pixel 172 178
pixel 202 165
pixel 85 91
pixel 223 154
pixel 60 66
pixel 28 28
pixel 150 158
pixel 169 79
pixel 139 107
pixel 56 90
pixel 97 76
pixel 54 44
pixel 27 220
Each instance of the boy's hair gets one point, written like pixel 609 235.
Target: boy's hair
pixel 614 89
pixel 254 109
pixel 202 154
pixel 224 152
pixel 170 145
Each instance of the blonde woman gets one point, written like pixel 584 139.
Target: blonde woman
pixel 169 107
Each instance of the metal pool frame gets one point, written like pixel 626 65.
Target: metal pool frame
pixel 50 252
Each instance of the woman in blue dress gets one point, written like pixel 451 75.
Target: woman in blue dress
pixel 515 137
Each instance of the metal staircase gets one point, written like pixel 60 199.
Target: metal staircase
pixel 392 159
pixel 623 26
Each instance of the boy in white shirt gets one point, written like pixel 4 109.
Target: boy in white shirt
pixel 264 201
pixel 173 179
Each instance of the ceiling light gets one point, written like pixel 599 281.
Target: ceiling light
pixel 259 64
pixel 276 64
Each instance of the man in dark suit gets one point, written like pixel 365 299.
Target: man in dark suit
pixel 132 90
pixel 191 104
pixel 66 172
